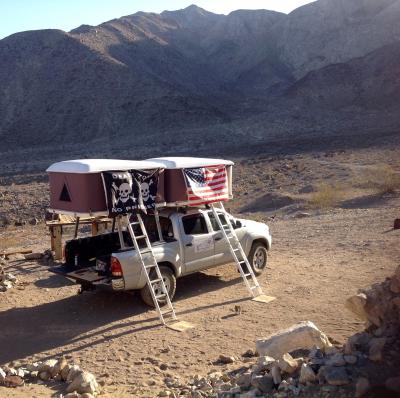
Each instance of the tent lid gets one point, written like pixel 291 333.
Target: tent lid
pixel 188 162
pixel 86 166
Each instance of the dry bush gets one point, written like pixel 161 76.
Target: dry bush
pixel 383 178
pixel 326 196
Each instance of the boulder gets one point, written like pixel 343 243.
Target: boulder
pixel 84 382
pixel 303 335
pixel 244 381
pixel 307 375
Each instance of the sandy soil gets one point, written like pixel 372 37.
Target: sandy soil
pixel 316 262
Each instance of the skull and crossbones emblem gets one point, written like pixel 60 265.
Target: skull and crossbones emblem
pixel 124 192
pixel 145 191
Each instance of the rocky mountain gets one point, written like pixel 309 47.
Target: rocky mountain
pixel 200 75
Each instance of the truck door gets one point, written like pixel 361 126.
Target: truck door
pixel 222 254
pixel 198 243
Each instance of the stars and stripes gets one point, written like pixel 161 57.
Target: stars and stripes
pixel 206 185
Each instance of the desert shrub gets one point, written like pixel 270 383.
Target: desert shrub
pixel 326 195
pixel 383 178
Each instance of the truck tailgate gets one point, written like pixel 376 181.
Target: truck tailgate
pixel 84 275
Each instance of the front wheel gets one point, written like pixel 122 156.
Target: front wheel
pixel 258 257
pixel 170 284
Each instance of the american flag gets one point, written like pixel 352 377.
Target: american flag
pixel 206 185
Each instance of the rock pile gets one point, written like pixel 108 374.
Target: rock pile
pixel 81 384
pixel 7 279
pixel 301 361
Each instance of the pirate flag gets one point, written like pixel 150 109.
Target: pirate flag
pixel 119 189
pixel 129 191
pixel 147 183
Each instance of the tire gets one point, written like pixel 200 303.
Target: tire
pixel 170 284
pixel 258 257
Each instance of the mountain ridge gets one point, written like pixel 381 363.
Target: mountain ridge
pixel 191 70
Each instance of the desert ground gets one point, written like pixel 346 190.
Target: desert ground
pixel 331 217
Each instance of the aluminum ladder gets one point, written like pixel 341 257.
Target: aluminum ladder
pixel 238 254
pixel 149 263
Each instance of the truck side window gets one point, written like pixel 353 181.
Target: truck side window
pixel 194 224
pixel 223 221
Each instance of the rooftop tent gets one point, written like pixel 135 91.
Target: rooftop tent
pixel 195 181
pixel 76 186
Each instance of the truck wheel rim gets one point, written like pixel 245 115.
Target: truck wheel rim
pixel 158 288
pixel 259 258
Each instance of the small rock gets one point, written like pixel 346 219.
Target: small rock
pixel 350 359
pixel 336 360
pixel 393 384
pixel 74 371
pixel 249 354
pixel 375 348
pixel 306 374
pixel 33 221
pixel 33 256
pixel 84 382
pixel 244 381
pixel 13 381
pixel 165 393
pixel 302 215
pixel 356 304
pixel 47 366
pixel 2 374
pixel 11 277
pixel 226 359
pixel 276 374
pixel 87 395
pixel 362 387
pixel 336 375
pixel 60 365
pixel 264 363
pixel 64 372
pixel 72 395
pixel 163 366
pixel 287 364
pixel 44 375
pixel 263 383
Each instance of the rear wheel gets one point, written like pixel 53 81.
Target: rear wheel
pixel 258 257
pixel 170 284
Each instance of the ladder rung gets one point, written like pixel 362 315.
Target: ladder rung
pixel 144 251
pixel 162 295
pixel 155 280
pixel 254 287
pixel 140 237
pixel 135 223
pixel 170 311
pixel 246 275
pixel 150 266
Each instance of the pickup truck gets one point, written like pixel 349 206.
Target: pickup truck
pixel 191 242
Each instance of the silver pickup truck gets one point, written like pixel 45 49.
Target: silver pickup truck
pixel 192 242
